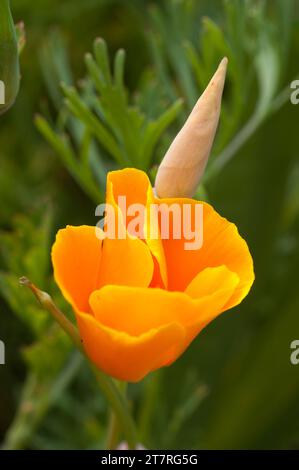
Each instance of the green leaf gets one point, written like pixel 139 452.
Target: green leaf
pixel 102 58
pixel 155 129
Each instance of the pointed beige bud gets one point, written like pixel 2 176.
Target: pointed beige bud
pixel 184 163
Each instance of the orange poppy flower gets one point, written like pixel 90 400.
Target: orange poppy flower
pixel 140 302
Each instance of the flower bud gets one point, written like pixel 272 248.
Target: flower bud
pixel 9 58
pixel 184 163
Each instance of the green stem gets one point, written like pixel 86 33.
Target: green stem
pixel 113 428
pixel 47 303
pixel 114 396
pixel 245 133
pixel 119 405
pixel 113 432
pixel 150 398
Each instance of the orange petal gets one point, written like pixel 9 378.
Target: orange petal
pixel 135 186
pixel 137 311
pixel 127 357
pixel 126 262
pixel 212 290
pixel 76 257
pixel 128 182
pixel 210 280
pixel 222 245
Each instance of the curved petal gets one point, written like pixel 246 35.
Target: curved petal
pixel 76 258
pixel 129 182
pixel 136 311
pixel 130 192
pixel 210 280
pixel 127 357
pixel 222 245
pixel 126 262
pixel 82 263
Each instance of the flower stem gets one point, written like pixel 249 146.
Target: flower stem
pixel 47 303
pixel 113 432
pixel 118 403
pixel 114 428
pixel 112 393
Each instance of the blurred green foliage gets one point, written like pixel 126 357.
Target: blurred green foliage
pixel 76 119
pixel 10 44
